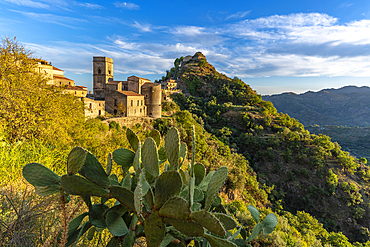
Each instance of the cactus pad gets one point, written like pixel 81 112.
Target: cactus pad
pixel 254 212
pixel 218 242
pixel 116 225
pixel 156 136
pixel 172 147
pixel 167 185
pixel 93 171
pixel 209 221
pixel 75 160
pixel 150 157
pixel 39 175
pixel 189 228
pixel 227 221
pixel 124 196
pixel 124 157
pixel 199 172
pixel 154 229
pixel 176 207
pixel 77 185
pixel 132 139
pixel 214 186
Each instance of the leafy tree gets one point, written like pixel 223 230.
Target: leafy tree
pixel 29 107
pixel 121 108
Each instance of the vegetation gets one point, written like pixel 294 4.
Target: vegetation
pixel 318 192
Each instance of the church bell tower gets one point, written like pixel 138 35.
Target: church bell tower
pixel 102 73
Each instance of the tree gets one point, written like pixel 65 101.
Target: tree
pixel 121 108
pixel 29 107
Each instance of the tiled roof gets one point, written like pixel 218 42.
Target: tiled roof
pixel 62 77
pixel 139 77
pixel 130 93
pixel 55 68
pixel 150 84
pixel 77 88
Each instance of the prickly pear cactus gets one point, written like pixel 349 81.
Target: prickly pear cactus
pixel 164 202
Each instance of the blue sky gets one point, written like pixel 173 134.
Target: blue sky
pixel 274 46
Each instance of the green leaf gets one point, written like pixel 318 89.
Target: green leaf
pixel 162 154
pixel 93 171
pixel 172 147
pixel 256 231
pixel 132 139
pixel 150 157
pixel 137 159
pixel 77 185
pixel 114 242
pixel 96 215
pixel 269 223
pixel 254 212
pixel 124 196
pixel 196 206
pixel 126 182
pixel 129 239
pixel 76 159
pixel 199 172
pixel 116 225
pixel 189 228
pixel 124 157
pixel 209 221
pixel 167 185
pixel 47 190
pixel 141 189
pixel 227 221
pixel 214 186
pixel 156 136
pixel 218 242
pixel 76 222
pixel 204 184
pixel 182 154
pixel 108 169
pixel 185 177
pixel 154 229
pixel 176 207
pixel 91 233
pixel 167 240
pixel 39 175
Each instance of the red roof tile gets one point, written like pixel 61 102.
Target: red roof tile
pixel 55 68
pixel 130 93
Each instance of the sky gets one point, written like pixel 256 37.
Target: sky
pixel 272 45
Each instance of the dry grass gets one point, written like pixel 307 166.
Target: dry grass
pixel 27 219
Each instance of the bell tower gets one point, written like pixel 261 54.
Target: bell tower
pixel 102 73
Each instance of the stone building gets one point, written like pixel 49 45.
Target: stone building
pixel 169 86
pixel 136 97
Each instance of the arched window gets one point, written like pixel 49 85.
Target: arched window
pixel 99 71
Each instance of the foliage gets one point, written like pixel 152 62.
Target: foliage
pixel 177 199
pixel 29 107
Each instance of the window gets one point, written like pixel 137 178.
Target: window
pixel 138 103
pixel 99 112
pixel 99 71
pixel 132 103
pixel 140 110
pixel 90 105
pixel 146 96
pixel 141 102
pixel 75 92
pixel 134 111
pixel 115 102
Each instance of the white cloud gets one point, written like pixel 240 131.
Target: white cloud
pixel 142 27
pixel 125 5
pixel 91 5
pixel 51 18
pixel 28 3
pixel 238 15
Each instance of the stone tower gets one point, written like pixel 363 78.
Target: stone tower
pixel 102 73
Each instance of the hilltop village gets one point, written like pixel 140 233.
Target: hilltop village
pixel 136 97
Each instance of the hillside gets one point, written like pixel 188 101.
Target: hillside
pixel 301 172
pixel 346 106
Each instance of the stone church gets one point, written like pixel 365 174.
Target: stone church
pixel 139 96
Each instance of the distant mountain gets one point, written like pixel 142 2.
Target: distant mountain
pixel 346 106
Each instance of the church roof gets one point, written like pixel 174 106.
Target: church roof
pixel 130 93
pixel 150 84
pixel 61 77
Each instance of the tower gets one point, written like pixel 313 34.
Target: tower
pixel 102 73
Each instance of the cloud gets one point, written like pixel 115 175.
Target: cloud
pixel 28 3
pixel 196 35
pixel 91 5
pixel 238 15
pixel 51 18
pixel 345 5
pixel 125 5
pixel 142 27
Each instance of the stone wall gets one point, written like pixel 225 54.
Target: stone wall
pixel 131 121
